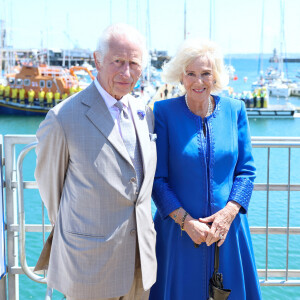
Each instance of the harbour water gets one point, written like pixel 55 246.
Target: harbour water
pixel 257 217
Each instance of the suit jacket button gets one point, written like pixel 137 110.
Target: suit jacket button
pixel 132 232
pixel 133 179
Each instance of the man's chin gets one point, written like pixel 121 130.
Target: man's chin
pixel 120 94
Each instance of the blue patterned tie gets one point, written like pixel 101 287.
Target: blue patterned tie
pixel 131 142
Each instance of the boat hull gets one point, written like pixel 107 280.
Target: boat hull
pixel 10 108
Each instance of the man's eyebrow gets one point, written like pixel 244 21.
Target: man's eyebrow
pixel 116 57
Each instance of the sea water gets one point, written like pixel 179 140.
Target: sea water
pixel 257 216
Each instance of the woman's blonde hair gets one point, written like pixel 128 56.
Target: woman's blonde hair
pixel 188 51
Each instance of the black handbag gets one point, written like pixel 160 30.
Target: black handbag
pixel 216 290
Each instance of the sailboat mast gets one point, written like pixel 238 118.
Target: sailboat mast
pixel 110 11
pixel 184 34
pixel 210 18
pixel 282 37
pixel 148 39
pixel 260 65
pixel 127 11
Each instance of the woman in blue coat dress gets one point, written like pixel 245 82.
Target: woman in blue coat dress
pixel 203 182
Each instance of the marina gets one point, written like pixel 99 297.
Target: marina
pixel 275 127
pixel 275 234
pixel 42 65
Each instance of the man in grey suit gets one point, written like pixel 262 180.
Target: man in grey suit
pixel 96 159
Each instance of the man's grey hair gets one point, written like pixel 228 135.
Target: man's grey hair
pixel 117 31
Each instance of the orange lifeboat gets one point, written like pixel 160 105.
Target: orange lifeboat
pixel 43 78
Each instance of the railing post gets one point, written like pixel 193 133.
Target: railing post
pixel 267 213
pixel 288 217
pixel 11 218
pixel 3 280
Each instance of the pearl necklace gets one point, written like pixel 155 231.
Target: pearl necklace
pixel 210 106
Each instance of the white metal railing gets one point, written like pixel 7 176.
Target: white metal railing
pixel 16 229
pixel 21 213
pixel 269 143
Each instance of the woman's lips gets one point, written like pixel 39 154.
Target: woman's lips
pixel 199 91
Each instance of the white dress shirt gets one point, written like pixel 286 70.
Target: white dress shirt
pixel 110 102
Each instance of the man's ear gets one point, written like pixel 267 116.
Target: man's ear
pixel 97 60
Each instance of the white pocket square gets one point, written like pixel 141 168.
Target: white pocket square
pixel 153 136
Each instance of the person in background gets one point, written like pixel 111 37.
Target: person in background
pixel 255 98
pixel 203 182
pixel 96 159
pixel 262 97
pixel 166 91
pixel 142 87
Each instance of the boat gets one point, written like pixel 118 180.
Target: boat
pixel 274 78
pixel 231 72
pixel 83 74
pixel 272 74
pixel 11 108
pixel 42 77
pixel 35 89
pixel 275 82
pixel 295 89
pixel 277 85
pixel 278 88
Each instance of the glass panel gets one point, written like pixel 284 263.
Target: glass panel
pixel 27 82
pixel 49 84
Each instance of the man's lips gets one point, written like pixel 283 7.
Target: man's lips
pixel 123 83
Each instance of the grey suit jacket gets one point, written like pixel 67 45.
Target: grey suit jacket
pixel 85 178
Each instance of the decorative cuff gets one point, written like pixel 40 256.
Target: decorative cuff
pixel 164 198
pixel 241 192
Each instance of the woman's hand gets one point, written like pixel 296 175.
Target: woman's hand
pixel 196 230
pixel 221 222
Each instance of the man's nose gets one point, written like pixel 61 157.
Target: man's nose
pixel 126 69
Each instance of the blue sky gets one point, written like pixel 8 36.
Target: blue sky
pixel 236 24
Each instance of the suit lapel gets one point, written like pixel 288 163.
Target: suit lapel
pixel 142 130
pixel 100 116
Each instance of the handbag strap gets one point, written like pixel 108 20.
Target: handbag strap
pixel 217 277
pixel 216 265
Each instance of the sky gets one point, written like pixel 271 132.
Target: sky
pixel 236 25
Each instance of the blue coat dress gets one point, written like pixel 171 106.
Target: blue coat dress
pixel 201 174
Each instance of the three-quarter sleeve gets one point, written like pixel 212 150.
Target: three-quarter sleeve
pixel 244 173
pixel 163 196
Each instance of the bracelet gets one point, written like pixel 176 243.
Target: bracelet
pixel 176 214
pixel 182 221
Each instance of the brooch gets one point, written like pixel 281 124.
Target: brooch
pixel 141 114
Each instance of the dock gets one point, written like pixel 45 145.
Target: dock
pixel 277 111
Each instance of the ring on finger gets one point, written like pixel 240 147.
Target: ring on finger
pixel 221 236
